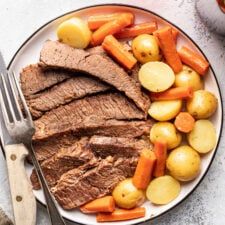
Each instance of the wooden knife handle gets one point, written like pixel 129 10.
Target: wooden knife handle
pixel 24 203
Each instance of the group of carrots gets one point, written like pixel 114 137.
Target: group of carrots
pixel 107 29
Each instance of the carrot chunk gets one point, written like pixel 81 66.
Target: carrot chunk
pixel 173 94
pixel 160 150
pixel 116 50
pixel 168 47
pixel 142 28
pixel 111 27
pixel 105 204
pixel 96 21
pixel 194 60
pixel 184 122
pixel 144 169
pixel 121 214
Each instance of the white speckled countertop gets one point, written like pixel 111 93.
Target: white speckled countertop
pixel 20 18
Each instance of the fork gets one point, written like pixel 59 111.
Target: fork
pixel 20 127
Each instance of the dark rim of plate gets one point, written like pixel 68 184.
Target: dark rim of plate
pixel 155 14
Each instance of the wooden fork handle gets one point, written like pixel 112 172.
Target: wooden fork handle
pixel 24 203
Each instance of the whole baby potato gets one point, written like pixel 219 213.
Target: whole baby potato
pixel 165 131
pixel 127 196
pixel 202 105
pixel 184 163
pixel 188 78
pixel 145 48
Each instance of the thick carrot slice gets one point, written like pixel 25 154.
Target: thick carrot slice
pixel 105 204
pixel 222 5
pixel 144 169
pixel 116 49
pixel 168 47
pixel 142 28
pixel 184 122
pixel 160 150
pixel 94 22
pixel 111 27
pixel 121 214
pixel 173 94
pixel 194 60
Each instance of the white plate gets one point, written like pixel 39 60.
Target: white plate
pixel 29 53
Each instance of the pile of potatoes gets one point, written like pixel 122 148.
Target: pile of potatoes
pixel 184 149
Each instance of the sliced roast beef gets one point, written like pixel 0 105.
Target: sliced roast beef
pixel 73 88
pixel 58 55
pixel 79 186
pixel 113 128
pixel 66 159
pixel 34 79
pixel 85 112
pixel 117 146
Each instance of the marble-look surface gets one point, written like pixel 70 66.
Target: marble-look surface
pixel 20 18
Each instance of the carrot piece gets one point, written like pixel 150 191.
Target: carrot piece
pixel 111 27
pixel 168 47
pixel 142 28
pixel 105 204
pixel 194 60
pixel 160 150
pixel 116 49
pixel 175 34
pixel 172 94
pixel 222 5
pixel 121 214
pixel 184 122
pixel 144 169
pixel 94 22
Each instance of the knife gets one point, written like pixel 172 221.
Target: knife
pixel 23 200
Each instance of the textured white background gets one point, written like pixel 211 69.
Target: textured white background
pixel 20 18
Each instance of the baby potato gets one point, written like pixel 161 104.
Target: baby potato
pixel 165 110
pixel 184 163
pixel 188 78
pixel 74 32
pixel 203 137
pixel 165 131
pixel 163 190
pixel 145 48
pixel 202 105
pixel 127 196
pixel 156 76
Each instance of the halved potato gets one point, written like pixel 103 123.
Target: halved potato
pixel 203 137
pixel 163 190
pixel 165 110
pixel 156 76
pixel 74 32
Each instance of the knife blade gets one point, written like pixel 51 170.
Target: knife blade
pixel 4 135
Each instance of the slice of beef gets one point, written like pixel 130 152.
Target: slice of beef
pixel 66 159
pixel 73 88
pixel 58 55
pixel 84 113
pixel 34 79
pixel 77 186
pixel 117 146
pixel 47 148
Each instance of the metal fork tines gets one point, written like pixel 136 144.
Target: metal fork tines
pixel 21 129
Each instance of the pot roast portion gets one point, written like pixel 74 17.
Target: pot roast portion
pixel 64 160
pixel 117 146
pixel 84 113
pixel 76 87
pixel 34 79
pixel 79 186
pixel 58 55
pixel 112 128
